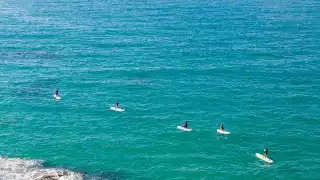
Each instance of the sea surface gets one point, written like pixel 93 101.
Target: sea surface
pixel 253 65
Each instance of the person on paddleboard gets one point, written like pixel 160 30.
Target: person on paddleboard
pixel 57 92
pixel 185 124
pixel 266 152
pixel 117 104
pixel 222 127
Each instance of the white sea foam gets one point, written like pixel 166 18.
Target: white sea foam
pixel 24 169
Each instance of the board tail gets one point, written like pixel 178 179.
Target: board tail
pixel 272 160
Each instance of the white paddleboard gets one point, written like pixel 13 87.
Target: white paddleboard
pixel 116 109
pixel 260 156
pixel 57 97
pixel 184 129
pixel 223 132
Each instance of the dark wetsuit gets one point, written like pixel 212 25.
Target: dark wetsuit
pixel 266 152
pixel 117 104
pixel 185 124
pixel 57 92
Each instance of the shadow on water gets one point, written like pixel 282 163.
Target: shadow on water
pixel 106 175
pixel 28 54
pixel 96 174
pixel 39 87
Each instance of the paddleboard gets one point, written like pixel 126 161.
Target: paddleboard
pixel 116 109
pixel 260 156
pixel 184 129
pixel 223 132
pixel 57 97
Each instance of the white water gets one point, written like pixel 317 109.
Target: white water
pixel 23 169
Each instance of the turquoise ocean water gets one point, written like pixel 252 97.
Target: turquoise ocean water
pixel 252 65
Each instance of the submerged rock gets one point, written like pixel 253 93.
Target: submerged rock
pixel 23 169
